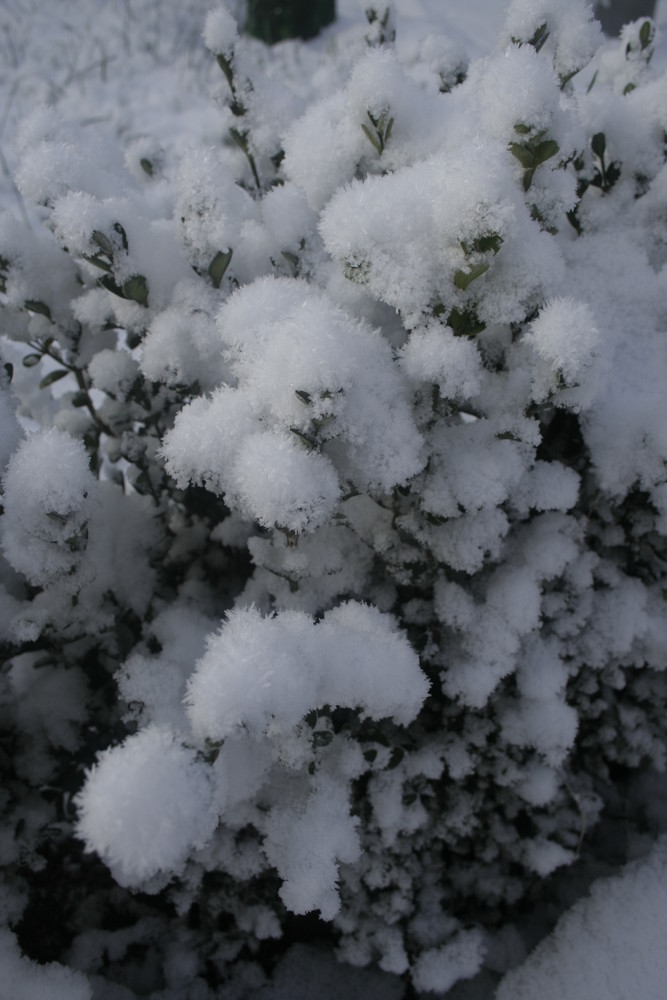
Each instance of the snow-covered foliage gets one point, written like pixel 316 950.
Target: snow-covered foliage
pixel 334 504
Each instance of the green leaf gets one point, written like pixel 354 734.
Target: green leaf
pixel 599 144
pixel 303 438
pixel 545 151
pixel 290 257
pixel 629 87
pixel 80 399
pixel 522 129
pixel 645 34
pixel 30 360
pixel 34 305
pixel 56 516
pixel 146 166
pixel 136 289
pixel 373 139
pixel 463 278
pixel 240 138
pixel 98 261
pixel 524 156
pixel 123 235
pixel 218 266
pixel 566 77
pixel 226 68
pixel 52 377
pixel 388 131
pixel 489 241
pixel 397 755
pixel 540 37
pixel 103 242
pixel 304 396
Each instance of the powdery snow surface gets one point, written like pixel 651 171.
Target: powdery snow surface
pixel 609 946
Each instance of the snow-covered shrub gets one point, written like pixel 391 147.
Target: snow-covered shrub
pixel 334 547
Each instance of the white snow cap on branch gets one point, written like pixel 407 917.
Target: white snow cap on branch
pixel 265 674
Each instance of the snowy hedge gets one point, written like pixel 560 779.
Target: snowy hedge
pixel 334 504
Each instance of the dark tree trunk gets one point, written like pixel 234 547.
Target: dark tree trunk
pixel 274 20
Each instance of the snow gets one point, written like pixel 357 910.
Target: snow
pixel 265 674
pixel 146 826
pixel 610 944
pixel 26 980
pixel 354 366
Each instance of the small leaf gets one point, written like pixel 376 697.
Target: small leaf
pixel 645 34
pixel 133 339
pixel 30 360
pixel 103 242
pixel 397 755
pixel 545 151
pixel 373 139
pixel 98 261
pixel 523 155
pixel 566 77
pixel 629 87
pixel 308 442
pixel 463 278
pixel 123 235
pixel 370 755
pixel 490 241
pixel 226 68
pixel 146 166
pixel 304 396
pixel 218 266
pixel 52 377
pixel 80 399
pixel 322 738
pixel 522 129
pixel 38 307
pixel 57 516
pixel 388 130
pixel 9 368
pixel 599 144
pixel 290 257
pixel 240 138
pixel 540 37
pixel 136 288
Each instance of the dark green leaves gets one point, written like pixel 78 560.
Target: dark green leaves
pixel 538 39
pixel 226 67
pixel 599 144
pixel 532 152
pixel 379 135
pixel 606 174
pixel 646 33
pixel 38 307
pixel 30 360
pixel 52 377
pixel 135 288
pixel 463 278
pixel 218 266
